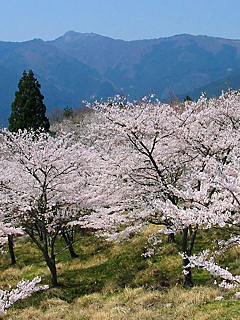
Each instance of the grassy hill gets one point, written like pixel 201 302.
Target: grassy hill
pixel 113 281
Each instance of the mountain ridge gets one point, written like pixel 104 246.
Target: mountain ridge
pixel 85 66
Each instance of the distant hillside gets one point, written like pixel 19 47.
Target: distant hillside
pixel 79 66
pixel 65 80
pixel 182 62
pixel 215 88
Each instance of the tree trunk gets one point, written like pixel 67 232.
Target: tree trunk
pixel 71 250
pixel 171 238
pixel 53 270
pixel 51 263
pixel 47 245
pixel 188 274
pixel 11 249
pixel 69 244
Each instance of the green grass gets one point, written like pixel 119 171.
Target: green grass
pixel 113 281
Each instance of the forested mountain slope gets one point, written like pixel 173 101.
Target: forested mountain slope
pixel 79 66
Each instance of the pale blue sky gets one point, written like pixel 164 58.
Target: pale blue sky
pixel 124 19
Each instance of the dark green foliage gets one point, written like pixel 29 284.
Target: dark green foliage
pixel 28 109
pixel 187 98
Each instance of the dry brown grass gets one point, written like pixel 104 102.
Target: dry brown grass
pixel 132 304
pixel 101 270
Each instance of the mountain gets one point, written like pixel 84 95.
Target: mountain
pixel 181 62
pixel 79 66
pixel 65 80
pixel 215 88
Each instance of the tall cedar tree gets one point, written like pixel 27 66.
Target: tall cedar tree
pixel 28 109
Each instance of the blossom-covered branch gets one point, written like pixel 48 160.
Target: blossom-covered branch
pixel 23 290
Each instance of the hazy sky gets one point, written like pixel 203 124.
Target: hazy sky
pixel 124 19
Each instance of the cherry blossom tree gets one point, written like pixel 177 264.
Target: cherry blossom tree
pixel 155 162
pixel 139 160
pixel 43 180
pixel 214 138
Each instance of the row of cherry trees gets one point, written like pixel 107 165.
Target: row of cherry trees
pixel 173 166
pixel 176 166
pixel 124 166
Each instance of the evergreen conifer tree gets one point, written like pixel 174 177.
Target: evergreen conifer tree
pixel 28 109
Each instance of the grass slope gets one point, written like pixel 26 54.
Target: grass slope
pixel 114 282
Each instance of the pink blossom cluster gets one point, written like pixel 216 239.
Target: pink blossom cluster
pixel 228 280
pixel 23 290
